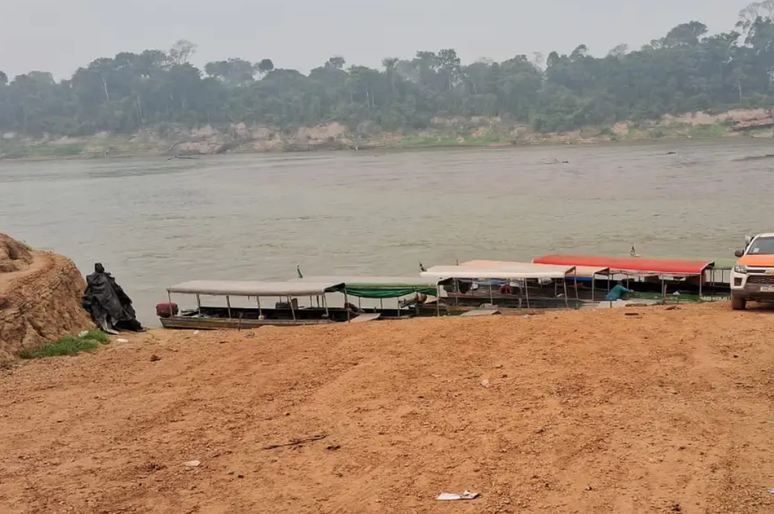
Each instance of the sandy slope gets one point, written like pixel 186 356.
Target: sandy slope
pixel 40 298
pixel 668 411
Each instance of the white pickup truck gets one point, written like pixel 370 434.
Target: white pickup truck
pixel 752 278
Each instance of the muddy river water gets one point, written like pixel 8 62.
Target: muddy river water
pixel 154 222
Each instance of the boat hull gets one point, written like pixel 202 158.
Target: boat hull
pixel 195 323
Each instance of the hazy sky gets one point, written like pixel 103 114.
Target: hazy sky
pixel 60 35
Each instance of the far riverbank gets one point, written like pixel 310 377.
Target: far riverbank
pixel 177 142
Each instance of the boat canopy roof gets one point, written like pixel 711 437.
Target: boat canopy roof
pixel 521 271
pixel 255 288
pixel 629 264
pixel 379 286
pixel 580 271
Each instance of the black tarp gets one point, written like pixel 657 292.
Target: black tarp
pixel 108 304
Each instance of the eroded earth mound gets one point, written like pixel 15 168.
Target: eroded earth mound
pixel 40 298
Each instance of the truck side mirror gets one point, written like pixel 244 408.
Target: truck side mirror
pixel 739 253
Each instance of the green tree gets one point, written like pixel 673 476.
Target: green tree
pixel 336 62
pixel 264 66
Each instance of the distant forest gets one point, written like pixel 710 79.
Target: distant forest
pixel 686 70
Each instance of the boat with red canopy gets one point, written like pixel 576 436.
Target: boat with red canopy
pixel 630 264
pixel 656 276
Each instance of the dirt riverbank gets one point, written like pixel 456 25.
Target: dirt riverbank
pixel 179 141
pixel 572 412
pixel 40 298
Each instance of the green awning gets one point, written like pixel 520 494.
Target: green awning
pixel 382 287
pixel 379 292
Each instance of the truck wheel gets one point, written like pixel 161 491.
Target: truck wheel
pixel 738 304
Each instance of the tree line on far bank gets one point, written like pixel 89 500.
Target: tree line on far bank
pixel 686 70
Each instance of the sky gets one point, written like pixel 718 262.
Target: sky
pixel 61 35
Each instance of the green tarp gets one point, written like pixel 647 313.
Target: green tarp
pixel 380 291
pixel 380 286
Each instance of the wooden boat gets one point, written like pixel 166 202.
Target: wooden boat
pixel 289 311
pixel 677 280
pixel 517 286
pixel 285 312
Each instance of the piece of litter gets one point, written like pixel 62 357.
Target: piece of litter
pixel 195 332
pixel 192 464
pixel 467 495
pixel 485 383
pixel 83 333
pixel 122 340
pixel 771 491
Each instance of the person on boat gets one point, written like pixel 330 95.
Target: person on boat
pixel 619 292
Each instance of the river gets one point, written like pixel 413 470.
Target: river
pixel 155 222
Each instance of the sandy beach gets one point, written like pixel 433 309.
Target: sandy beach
pixel 634 410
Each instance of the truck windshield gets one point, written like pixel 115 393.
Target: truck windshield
pixel 762 246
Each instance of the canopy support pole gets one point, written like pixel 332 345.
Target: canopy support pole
pixel 325 303
pixel 593 285
pixel 228 306
pixel 567 300
pixel 198 302
pixel 491 294
pixel 526 291
pixel 292 310
pixel 346 304
pixel 701 280
pixel 258 301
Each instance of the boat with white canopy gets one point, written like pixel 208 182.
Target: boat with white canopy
pixel 237 304
pixel 517 280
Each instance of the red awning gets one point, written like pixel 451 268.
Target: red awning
pixel 628 264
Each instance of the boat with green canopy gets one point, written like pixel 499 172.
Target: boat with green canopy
pixel 379 286
pixel 410 292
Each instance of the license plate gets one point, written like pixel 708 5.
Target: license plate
pixel 767 289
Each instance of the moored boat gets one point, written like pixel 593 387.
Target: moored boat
pixel 520 282
pixel 668 280
pixel 285 312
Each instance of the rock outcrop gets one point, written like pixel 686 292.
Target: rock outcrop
pixel 40 298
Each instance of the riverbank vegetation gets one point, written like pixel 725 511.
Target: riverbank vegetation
pixel 68 345
pixel 686 70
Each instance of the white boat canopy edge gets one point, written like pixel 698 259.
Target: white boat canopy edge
pixel 580 271
pixel 524 271
pixel 255 288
